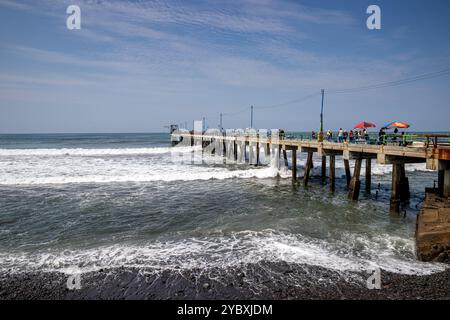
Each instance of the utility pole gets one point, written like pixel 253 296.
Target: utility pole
pixel 221 122
pixel 204 124
pixel 320 135
pixel 251 119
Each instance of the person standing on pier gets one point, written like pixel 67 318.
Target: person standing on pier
pixel 403 143
pixel 366 135
pixel 381 136
pixel 394 138
pixel 340 135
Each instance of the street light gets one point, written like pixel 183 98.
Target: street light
pixel 320 135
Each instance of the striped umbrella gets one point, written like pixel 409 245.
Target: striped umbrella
pixel 396 124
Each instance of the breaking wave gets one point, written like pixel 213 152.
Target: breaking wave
pixel 233 250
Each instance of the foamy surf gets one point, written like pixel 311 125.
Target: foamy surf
pixel 86 152
pixel 83 165
pixel 78 166
pixel 225 251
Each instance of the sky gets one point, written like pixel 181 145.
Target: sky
pixel 136 66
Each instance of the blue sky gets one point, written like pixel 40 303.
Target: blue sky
pixel 136 66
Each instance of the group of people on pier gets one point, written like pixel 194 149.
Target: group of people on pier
pixel 362 136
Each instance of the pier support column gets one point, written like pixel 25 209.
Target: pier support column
pixel 253 153
pixel 324 169
pixel 286 164
pixel 224 151
pixel 368 174
pixel 400 186
pixel 294 165
pixel 332 173
pixel 308 167
pixel 447 184
pixel 395 192
pixel 355 183
pixel 267 154
pixel 404 185
pixel 348 174
pixel 257 153
pixel 444 178
pixel 246 155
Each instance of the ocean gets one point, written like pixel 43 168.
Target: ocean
pixel 77 203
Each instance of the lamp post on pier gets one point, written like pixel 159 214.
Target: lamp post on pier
pixel 320 135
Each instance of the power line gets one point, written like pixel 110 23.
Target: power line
pixel 380 85
pixel 309 96
pixel 395 83
pixel 234 113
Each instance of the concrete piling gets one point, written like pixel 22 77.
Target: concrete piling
pixel 286 164
pixel 368 174
pixel 355 183
pixel 444 178
pixel 348 174
pixel 294 165
pixel 308 168
pixel 332 173
pixel 395 192
pixel 324 169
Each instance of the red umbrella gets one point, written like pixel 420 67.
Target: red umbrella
pixel 364 125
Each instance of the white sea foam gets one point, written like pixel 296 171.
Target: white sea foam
pixel 86 152
pixel 228 251
pixel 83 165
pixel 64 166
pixel 162 175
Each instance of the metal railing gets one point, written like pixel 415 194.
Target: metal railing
pixel 428 140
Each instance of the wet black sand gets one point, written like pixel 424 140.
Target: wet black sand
pixel 266 280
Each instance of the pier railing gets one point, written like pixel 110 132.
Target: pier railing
pixel 433 140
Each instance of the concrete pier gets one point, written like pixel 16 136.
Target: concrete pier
pixel 433 229
pixel 433 223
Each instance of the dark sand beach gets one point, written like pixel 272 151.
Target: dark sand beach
pixel 265 280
